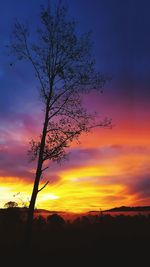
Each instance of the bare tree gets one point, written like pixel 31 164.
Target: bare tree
pixel 64 67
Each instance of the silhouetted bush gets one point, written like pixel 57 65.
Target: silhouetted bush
pixel 11 204
pixel 55 220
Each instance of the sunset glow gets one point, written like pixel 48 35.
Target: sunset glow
pixel 109 167
pixel 98 177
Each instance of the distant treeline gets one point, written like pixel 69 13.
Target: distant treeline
pixel 124 208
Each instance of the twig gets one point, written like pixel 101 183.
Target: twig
pixel 44 169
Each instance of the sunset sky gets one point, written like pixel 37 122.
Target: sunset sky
pixel 110 167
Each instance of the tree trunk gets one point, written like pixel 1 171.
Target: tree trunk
pixel 30 215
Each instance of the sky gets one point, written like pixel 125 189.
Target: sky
pixel 110 167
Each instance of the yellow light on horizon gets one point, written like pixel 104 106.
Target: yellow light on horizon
pixel 102 184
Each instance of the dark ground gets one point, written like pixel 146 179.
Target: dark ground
pixel 98 241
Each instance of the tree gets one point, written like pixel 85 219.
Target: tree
pixel 55 220
pixel 64 67
pixel 11 204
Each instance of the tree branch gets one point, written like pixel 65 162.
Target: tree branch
pixel 32 61
pixel 44 169
pixel 63 104
pixel 50 155
pixel 43 186
pixel 61 94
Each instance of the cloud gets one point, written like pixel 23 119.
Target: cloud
pixel 19 124
pixel 54 179
pixel 14 161
pixel 140 186
pixel 96 167
pixel 112 199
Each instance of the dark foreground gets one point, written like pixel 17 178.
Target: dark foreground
pixel 95 241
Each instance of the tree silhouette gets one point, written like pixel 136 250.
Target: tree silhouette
pixel 64 67
pixel 56 220
pixel 11 204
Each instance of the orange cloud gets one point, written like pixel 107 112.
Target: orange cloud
pixel 105 170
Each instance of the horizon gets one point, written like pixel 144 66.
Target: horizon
pixel 40 210
pixel 110 167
